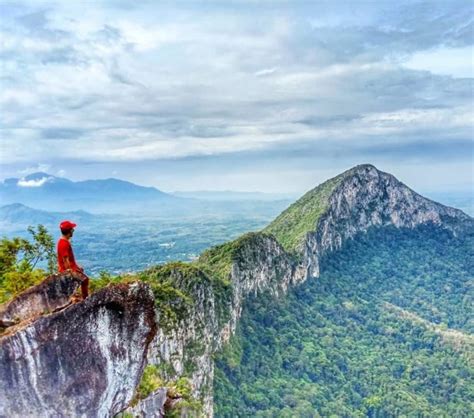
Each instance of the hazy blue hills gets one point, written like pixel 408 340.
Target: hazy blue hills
pixel 463 200
pixel 113 196
pixel 48 192
pixel 45 183
pixel 17 217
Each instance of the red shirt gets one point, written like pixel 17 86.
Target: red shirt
pixel 65 250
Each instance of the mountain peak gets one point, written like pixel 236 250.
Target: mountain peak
pixel 356 199
pixel 361 168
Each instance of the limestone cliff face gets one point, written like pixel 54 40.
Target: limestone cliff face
pixel 186 348
pixel 262 264
pixel 84 361
pixel 120 335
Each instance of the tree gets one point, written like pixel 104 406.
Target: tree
pixel 19 259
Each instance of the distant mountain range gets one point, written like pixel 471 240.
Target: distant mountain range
pixel 45 192
pixel 48 192
pixel 463 200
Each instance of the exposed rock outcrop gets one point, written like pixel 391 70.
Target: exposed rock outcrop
pixel 260 264
pixel 51 294
pixel 152 407
pixel 84 361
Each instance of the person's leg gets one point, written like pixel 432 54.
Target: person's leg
pixel 85 287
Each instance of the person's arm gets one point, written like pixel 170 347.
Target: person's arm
pixel 75 266
pixel 67 262
pixel 70 264
pixel 72 261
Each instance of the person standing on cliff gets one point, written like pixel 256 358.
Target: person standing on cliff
pixel 66 260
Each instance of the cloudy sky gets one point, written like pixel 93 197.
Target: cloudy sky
pixel 245 95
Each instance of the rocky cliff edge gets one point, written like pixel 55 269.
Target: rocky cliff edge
pixel 83 361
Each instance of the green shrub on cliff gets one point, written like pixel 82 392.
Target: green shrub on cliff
pixel 19 259
pixel 178 285
pixel 180 389
pixel 150 382
pixel 105 279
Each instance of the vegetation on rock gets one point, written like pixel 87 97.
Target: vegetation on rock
pixel 150 382
pixel 177 389
pixel 292 225
pixel 218 260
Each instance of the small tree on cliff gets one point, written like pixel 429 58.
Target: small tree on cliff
pixel 19 259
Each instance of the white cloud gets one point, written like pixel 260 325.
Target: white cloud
pixel 264 72
pixel 33 183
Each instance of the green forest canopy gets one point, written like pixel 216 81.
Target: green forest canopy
pixel 385 331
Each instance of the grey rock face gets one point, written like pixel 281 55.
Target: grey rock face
pixel 263 265
pixel 187 348
pixel 84 361
pixel 151 407
pixel 51 294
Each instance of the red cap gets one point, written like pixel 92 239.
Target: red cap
pixel 67 225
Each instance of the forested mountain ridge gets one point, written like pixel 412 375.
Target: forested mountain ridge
pixel 385 331
pixel 198 304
